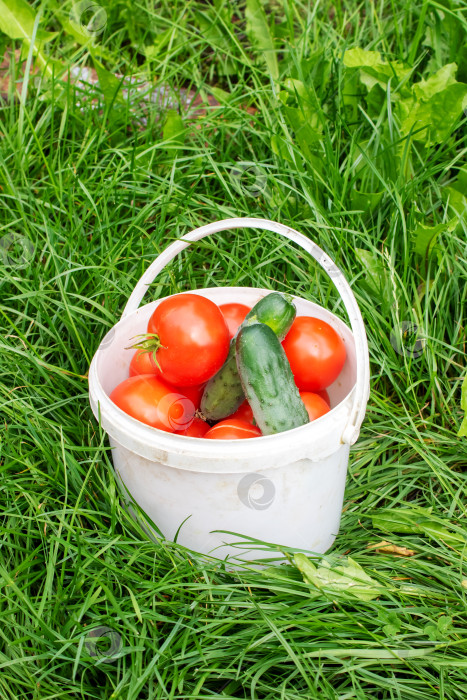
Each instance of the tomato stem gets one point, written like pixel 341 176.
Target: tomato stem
pixel 149 342
pixel 200 414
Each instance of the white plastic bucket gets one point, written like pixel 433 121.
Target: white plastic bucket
pixel 285 489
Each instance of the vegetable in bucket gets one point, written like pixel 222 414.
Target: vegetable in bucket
pixel 257 367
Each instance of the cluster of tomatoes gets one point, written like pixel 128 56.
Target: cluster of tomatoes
pixel 187 342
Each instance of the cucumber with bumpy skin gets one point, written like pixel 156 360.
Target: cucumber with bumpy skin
pixel 223 393
pixel 268 381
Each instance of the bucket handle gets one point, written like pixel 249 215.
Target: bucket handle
pixel 362 387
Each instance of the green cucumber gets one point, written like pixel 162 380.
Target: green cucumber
pixel 268 381
pixel 223 393
pixel 276 310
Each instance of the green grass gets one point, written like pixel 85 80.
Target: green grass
pixel 98 194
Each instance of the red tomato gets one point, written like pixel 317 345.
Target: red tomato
pixel 142 363
pixel 244 412
pixel 151 401
pixel 234 315
pixel 194 393
pixel 232 429
pixel 314 404
pixel 193 338
pixel 198 428
pixel 324 395
pixel 315 351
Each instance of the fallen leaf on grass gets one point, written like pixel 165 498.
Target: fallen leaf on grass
pixel 348 579
pixel 388 548
pixel 420 521
pixel 392 623
pixel 440 629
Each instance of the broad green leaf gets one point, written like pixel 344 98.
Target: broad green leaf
pixel 222 96
pixel 348 579
pixel 73 29
pixel 356 58
pixel 174 128
pixel 373 69
pixel 174 131
pixel 374 73
pixel 17 21
pixel 432 631
pixel 154 50
pixel 392 620
pixel 435 120
pixel 440 629
pixel 371 78
pixel 365 201
pixel 417 521
pixel 212 30
pixel 425 237
pixel 425 89
pixel 351 100
pixel 393 71
pixel 65 17
pixel 375 279
pixel 317 67
pixel 306 135
pixel 463 429
pixel 258 29
pixel 303 114
pixel 456 195
pixel 280 146
pixel 109 84
pixel 391 629
pixel 424 240
pixel 303 98
pixel 457 202
pixel 444 623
